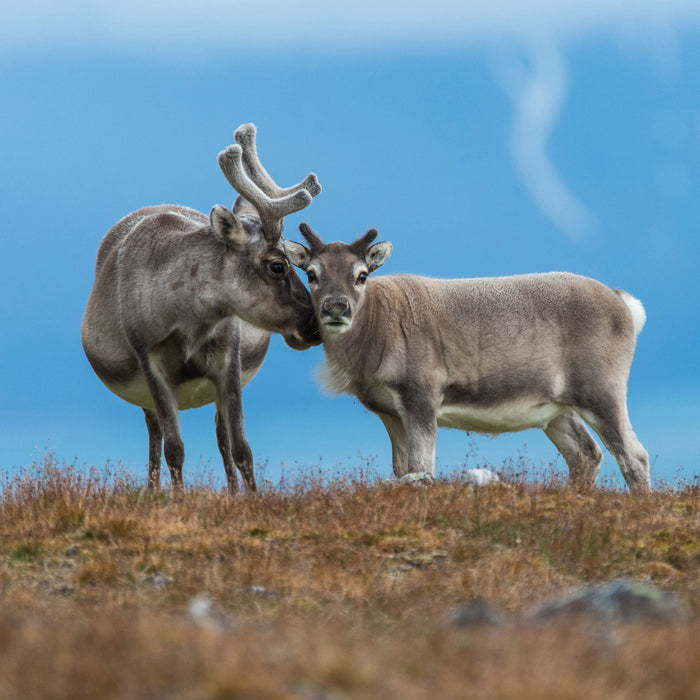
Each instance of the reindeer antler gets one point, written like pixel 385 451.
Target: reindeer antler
pixel 271 202
pixel 312 238
pixel 271 211
pixel 245 137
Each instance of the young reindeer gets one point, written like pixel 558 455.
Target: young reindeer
pixel 183 305
pixel 550 351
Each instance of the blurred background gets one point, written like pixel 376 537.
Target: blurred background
pixel 479 139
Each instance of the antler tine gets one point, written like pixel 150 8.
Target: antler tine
pixel 312 238
pixel 361 245
pixel 271 211
pixel 245 137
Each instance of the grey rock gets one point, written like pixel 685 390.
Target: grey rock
pixel 476 613
pixel 618 601
pixel 65 590
pixel 72 551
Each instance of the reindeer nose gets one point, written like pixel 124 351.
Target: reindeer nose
pixel 336 308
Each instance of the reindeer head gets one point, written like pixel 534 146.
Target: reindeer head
pixel 253 230
pixel 337 275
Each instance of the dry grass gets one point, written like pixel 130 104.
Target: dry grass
pixel 334 589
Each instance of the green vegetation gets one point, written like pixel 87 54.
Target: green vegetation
pixel 334 588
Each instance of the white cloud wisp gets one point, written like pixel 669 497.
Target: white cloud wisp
pixel 538 93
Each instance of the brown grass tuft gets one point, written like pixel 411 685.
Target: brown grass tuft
pixel 333 588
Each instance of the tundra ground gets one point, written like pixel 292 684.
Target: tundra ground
pixel 335 588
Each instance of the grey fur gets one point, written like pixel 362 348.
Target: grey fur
pixel 492 355
pixel 182 308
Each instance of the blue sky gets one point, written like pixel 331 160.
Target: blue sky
pixel 493 140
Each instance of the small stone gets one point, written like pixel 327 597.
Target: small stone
pixel 207 613
pixel 417 479
pixel 158 580
pixel 480 477
pixel 260 591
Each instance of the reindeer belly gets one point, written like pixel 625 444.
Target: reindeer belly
pixel 504 417
pixel 190 394
pixel 195 393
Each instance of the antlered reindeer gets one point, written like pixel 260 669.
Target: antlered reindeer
pixel 183 305
pixel 550 351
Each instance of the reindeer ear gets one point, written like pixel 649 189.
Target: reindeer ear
pixel 243 206
pixel 377 255
pixel 298 255
pixel 227 227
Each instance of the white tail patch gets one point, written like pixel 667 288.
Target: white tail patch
pixel 639 315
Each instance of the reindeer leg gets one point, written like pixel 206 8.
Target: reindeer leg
pixel 230 422
pixel 575 444
pixel 155 447
pixel 399 443
pixel 420 425
pixel 165 401
pixel 230 431
pixel 608 417
pixel 224 442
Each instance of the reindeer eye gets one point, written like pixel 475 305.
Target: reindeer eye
pixel 362 278
pixel 311 276
pixel 276 269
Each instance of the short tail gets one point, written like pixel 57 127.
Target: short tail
pixel 639 315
